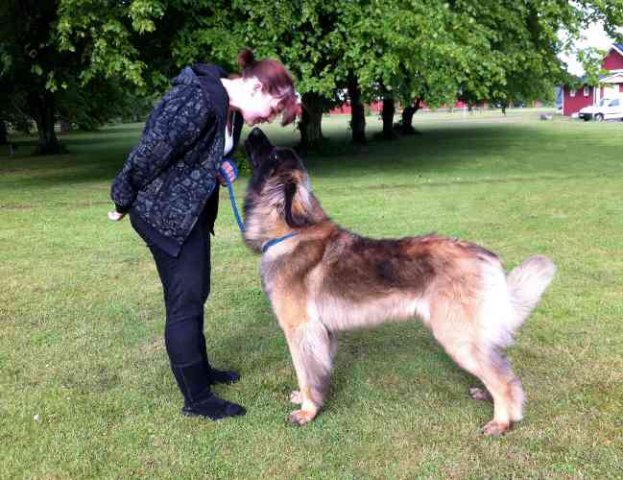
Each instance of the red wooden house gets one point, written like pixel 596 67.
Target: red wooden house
pixel 610 84
pixel 376 107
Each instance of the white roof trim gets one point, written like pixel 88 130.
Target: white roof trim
pixel 616 78
pixel 614 47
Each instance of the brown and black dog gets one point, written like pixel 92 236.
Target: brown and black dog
pixel 322 279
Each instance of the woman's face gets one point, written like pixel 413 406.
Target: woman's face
pixel 259 107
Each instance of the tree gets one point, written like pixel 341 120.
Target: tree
pixel 45 78
pixel 308 36
pixel 29 63
pixel 387 114
pixel 407 51
pixel 477 50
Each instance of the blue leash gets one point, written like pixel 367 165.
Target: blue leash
pixel 232 197
pixel 232 200
pixel 275 241
pixel 234 206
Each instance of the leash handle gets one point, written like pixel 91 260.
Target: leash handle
pixel 230 190
pixel 223 172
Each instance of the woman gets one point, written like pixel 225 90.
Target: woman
pixel 169 186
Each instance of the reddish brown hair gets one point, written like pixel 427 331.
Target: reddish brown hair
pixel 276 81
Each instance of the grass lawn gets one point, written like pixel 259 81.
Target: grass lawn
pixel 85 387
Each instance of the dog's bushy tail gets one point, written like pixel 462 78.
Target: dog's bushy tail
pixel 526 284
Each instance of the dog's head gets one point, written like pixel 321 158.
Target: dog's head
pixel 270 163
pixel 279 197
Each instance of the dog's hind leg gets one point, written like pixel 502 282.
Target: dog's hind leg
pixel 480 394
pixel 311 346
pixel 483 361
pixel 504 387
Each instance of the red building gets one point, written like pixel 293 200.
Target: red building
pixel 610 84
pixel 377 107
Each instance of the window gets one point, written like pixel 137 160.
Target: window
pixel 586 91
pixel 614 103
pixel 572 93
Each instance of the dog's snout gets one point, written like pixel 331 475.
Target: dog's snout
pixel 257 139
pixel 258 146
pixel 256 132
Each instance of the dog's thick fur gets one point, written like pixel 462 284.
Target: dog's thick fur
pixel 326 279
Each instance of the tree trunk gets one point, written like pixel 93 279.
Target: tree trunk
pixel 389 108
pixel 42 108
pixel 358 117
pixel 65 126
pixel 310 125
pixel 407 117
pixel 3 133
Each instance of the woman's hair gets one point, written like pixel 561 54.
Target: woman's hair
pixel 276 81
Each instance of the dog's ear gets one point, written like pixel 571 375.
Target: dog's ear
pixel 297 214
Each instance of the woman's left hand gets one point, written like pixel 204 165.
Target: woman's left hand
pixel 228 173
pixel 115 216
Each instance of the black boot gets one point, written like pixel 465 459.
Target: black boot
pixel 217 376
pixel 223 376
pixel 194 382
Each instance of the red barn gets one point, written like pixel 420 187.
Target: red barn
pixel 610 84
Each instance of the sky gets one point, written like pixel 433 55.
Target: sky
pixel 595 37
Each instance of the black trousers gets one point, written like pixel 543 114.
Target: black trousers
pixel 186 284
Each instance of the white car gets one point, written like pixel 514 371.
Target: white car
pixel 606 109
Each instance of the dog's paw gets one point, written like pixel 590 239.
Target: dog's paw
pixel 301 417
pixel 495 429
pixel 480 394
pixel 296 397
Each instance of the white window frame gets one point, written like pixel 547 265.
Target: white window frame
pixel 587 91
pixel 572 92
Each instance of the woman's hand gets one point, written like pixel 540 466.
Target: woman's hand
pixel 115 216
pixel 228 173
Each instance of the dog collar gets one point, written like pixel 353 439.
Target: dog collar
pixel 275 241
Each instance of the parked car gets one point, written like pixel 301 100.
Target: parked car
pixel 606 109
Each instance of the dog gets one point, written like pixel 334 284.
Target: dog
pixel 322 279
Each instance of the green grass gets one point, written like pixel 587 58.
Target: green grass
pixel 82 317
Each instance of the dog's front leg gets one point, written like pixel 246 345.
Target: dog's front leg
pixel 310 348
pixel 295 395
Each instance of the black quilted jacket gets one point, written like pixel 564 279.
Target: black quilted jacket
pixel 168 178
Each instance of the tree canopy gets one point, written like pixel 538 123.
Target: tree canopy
pixel 59 55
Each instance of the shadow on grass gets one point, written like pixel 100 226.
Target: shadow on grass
pixel 437 145
pixel 98 156
pixel 377 357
